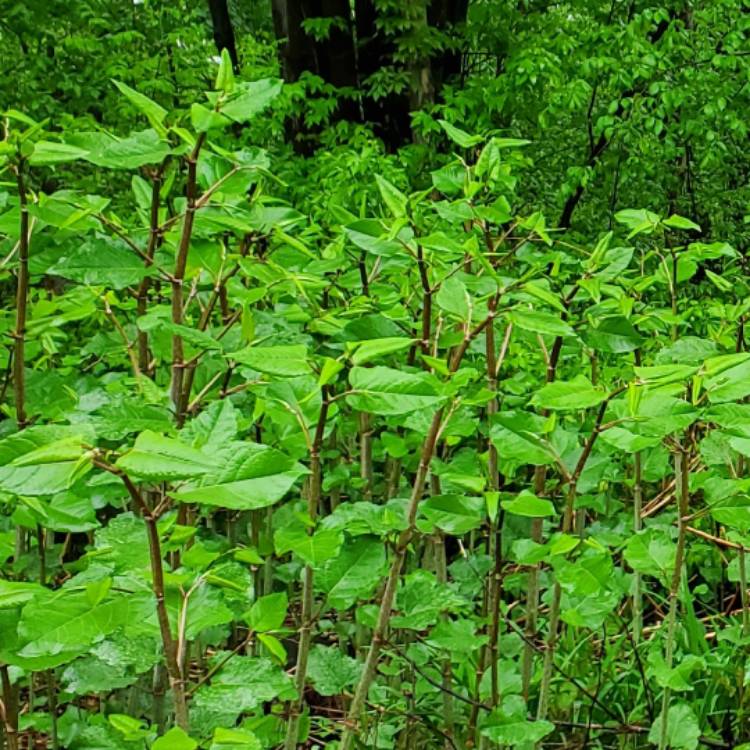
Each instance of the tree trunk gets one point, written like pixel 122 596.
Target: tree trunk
pixel 333 59
pixel 223 30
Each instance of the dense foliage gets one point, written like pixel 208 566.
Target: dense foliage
pixel 405 408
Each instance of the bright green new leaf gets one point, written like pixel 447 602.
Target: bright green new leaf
pixel 526 503
pixel 562 395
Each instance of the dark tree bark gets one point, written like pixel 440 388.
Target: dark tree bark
pixel 446 15
pixel 389 114
pixel 223 30
pixel 356 50
pixel 333 59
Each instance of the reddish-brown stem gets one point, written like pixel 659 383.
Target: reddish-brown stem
pixel 144 286
pixel 22 293
pixel 399 553
pixel 314 493
pixel 178 278
pixel 169 644
pixel 9 709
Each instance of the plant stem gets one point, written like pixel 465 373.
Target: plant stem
pixel 9 709
pixel 365 454
pixel 391 584
pixel 314 493
pixel 405 537
pixel 144 286
pixel 178 352
pixel 743 593
pixel 169 645
pixel 22 293
pixel 681 489
pixel 567 527
pixel 637 525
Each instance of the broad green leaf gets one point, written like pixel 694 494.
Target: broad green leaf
pixel 111 152
pixel 539 322
pixel 243 684
pixel 156 458
pixel 683 729
pixel 51 152
pixel 458 136
pixel 283 361
pixel 383 390
pixel 454 298
pixel 526 503
pixel 578 393
pixel 100 261
pixel 242 476
pixel 54 631
pixel 680 222
pixel 651 552
pixel 453 514
pixel 367 351
pixel 393 198
pixel 518 436
pixel 155 113
pixel 331 671
pixel 508 724
pixel 234 739
pixel 250 99
pixel 314 549
pixel 175 739
pixel 353 574
pixel 268 612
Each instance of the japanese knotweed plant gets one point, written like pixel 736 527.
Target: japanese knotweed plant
pixel 427 474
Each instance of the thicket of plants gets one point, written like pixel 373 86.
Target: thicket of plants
pixel 317 432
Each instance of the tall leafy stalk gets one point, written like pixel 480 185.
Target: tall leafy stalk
pixel 400 550
pixel 681 476
pixel 314 498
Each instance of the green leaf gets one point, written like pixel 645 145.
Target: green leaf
pixel 55 630
pixel 204 119
pixel 175 739
pixel 225 74
pixel 283 361
pixel 268 612
pixel 526 503
pixel 243 684
pixel 458 136
pixel 651 552
pixel 51 152
pixel 392 197
pixel 314 549
pixel 639 221
pixel 100 261
pixel 155 113
pixel 234 739
pixel 156 458
pixel 137 150
pixel 683 729
pixel 517 436
pixel 366 351
pixel 539 322
pixel 331 671
pixel 453 514
pixel 353 574
pixel 508 725
pixel 242 475
pixel 382 390
pixel 454 298
pixel 680 222
pixel 250 99
pixel 562 395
